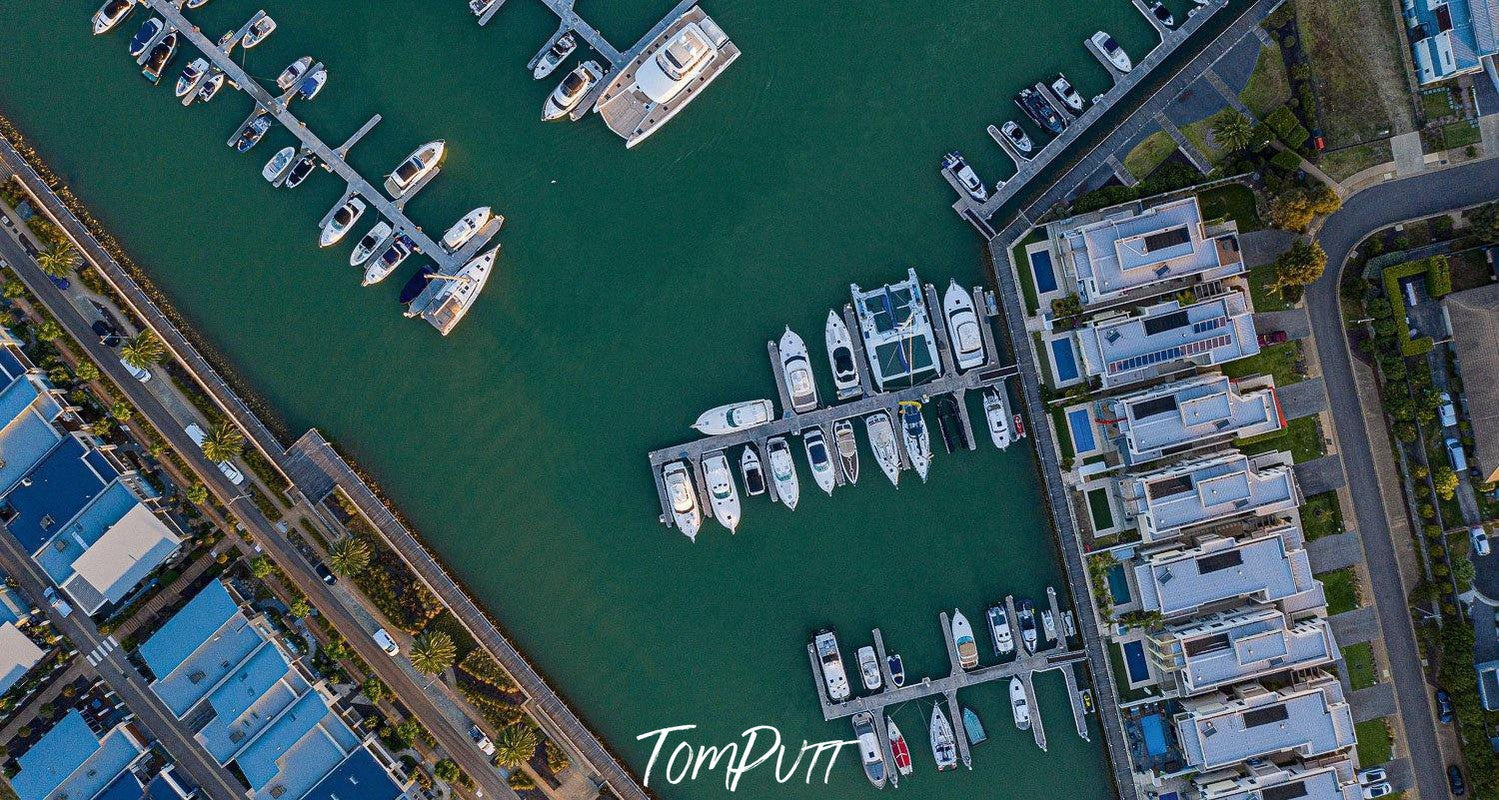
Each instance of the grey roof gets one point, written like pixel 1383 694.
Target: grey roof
pixel 1167 337
pixel 1190 412
pixel 1241 644
pixel 1291 782
pixel 1218 730
pixel 1474 317
pixel 18 654
pixel 1126 251
pixel 1263 567
pixel 1204 490
pixel 132 548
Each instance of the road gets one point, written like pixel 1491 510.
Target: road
pixel 1363 213
pixel 397 675
pixel 120 674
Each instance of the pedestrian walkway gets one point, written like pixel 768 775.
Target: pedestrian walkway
pixel 1228 94
pixel 1406 148
pixel 1189 150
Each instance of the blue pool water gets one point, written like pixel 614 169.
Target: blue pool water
pixel 1082 431
pixel 1118 585
pixel 1065 361
pixel 1134 661
pixel 1154 731
pixel 1046 277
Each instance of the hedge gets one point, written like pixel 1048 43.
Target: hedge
pixel 1283 121
pixel 1392 278
pixel 1439 279
pixel 1288 160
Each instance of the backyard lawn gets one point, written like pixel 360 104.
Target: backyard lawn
pixel 1373 742
pixel 1321 516
pixel 1233 201
pixel 1268 88
pixel 1148 154
pixel 1278 360
pixel 1341 586
pixel 1259 289
pixel 1357 68
pixel 1023 268
pixel 1359 659
pixel 1300 436
pixel 1349 161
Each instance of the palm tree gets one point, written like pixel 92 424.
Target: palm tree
pixel 223 443
pixel 142 350
pixel 58 260
pixel 514 745
pixel 1232 131
pixel 349 556
pixel 433 652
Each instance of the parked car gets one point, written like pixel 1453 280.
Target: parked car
pixel 1455 781
pixel 386 643
pixel 1456 455
pixel 1447 411
pixel 108 336
pixel 230 471
pixel 1369 777
pixel 1444 707
pixel 58 604
pixel 1377 790
pixel 480 740
pixel 1480 539
pixel 139 374
pixel 326 574
pixel 1272 337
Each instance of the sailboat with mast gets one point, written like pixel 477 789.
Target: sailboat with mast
pixel 448 297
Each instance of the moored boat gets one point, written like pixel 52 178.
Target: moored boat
pixel 466 228
pixel 191 75
pixel 112 13
pixel 1162 13
pixel 953 162
pixel 819 459
pixel 915 437
pixel 848 450
pixel 159 57
pixel 380 268
pixel 900 752
pixel 684 509
pixel 1040 111
pixel 869 749
pixel 944 746
pixel 422 161
pixel 257 33
pixel 882 442
pixel 734 417
pixel 366 246
pixel 723 495
pixel 1019 705
pixel 972 727
pixel 1048 626
pixel 750 470
pixel 571 90
pixel 841 356
pixel 555 55
pixel 869 669
pixel 967 338
pixel 482 7
pixel 293 72
pixel 1028 626
pixel 452 296
pixel 416 284
pixel 144 35
pixel 999 630
pixel 897 670
pixel 1112 51
pixel 1065 92
pixel 997 418
pixel 313 83
pixel 1017 136
pixel 962 634
pixel 299 171
pixel 342 220
pixel 279 164
pixel 211 86
pixel 797 372
pixel 253 133
pixel 783 472
pixel 834 678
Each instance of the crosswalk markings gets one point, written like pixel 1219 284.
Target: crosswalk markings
pixel 98 653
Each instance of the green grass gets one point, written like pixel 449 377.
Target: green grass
pixel 1300 436
pixel 1268 87
pixel 1098 509
pixel 1459 134
pixel 1341 587
pixel 1359 659
pixel 1373 742
pixel 1437 103
pixel 1278 360
pixel 1260 294
pixel 1148 154
pixel 1064 433
pixel 1043 362
pixel 1349 161
pixel 1233 201
pixel 1023 269
pixel 1198 133
pixel 1321 516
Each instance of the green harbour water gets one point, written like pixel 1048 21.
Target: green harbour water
pixel 635 289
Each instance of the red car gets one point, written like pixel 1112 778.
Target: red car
pixel 1273 337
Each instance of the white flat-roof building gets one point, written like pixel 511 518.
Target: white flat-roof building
pixel 1250 721
pixel 1188 414
pixel 1268 566
pixel 1206 490
pixel 1267 780
pixel 18 654
pixel 1167 338
pixel 1236 645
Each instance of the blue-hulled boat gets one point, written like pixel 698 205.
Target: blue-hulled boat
pixel 972 727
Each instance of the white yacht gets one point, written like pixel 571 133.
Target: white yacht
pixel 915 437
pixel 953 162
pixel 211 86
pixel 669 73
pixel 962 635
pixel 835 680
pixel 734 417
pixel 279 164
pixel 192 75
pixel 999 630
pixel 448 298
pixel 555 55
pixel 570 90
pixel 783 472
pixel 341 222
pixel 870 752
pixel 1020 705
pixel 293 73
pixel 819 458
pixel 998 419
pixel 257 33
pixel 797 371
pixel 882 442
pixel 380 267
pixel 1162 13
pixel 1112 51
pixel 841 355
pixel 1017 136
pixel 869 669
pixel 422 161
pixel 112 13
pixel 966 338
pixel 482 7
pixel 366 246
pixel 723 496
pixel 1062 88
pixel 466 228
pixel 750 470
pixel 944 746
pixel 1027 615
pixel 679 492
pixel 848 450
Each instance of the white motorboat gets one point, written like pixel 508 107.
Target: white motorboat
pixel 1162 14
pixel 191 75
pixel 674 67
pixel 196 3
pixel 279 164
pixel 112 13
pixel 257 33
pixel 834 679
pixel 482 7
pixel 723 495
pixel 466 228
pixel 1048 625
pixel 211 86
pixel 797 371
pixel 882 442
pixel 570 91
pixel 144 35
pixel 160 56
pixel 418 165
pixel 915 437
pixel 869 669
pixel 841 356
pixel 999 631
pixel 1019 704
pixel 900 752
pixel 819 458
pixel 1028 626
pixel 734 417
pixel 1017 136
pixel 783 472
pixel 966 338
pixel 1064 91
pixel 870 752
pixel 679 492
pixel 1112 51
pixel 750 470
pixel 379 268
pixel 848 450
pixel 999 421
pixel 944 746
pixel 953 162
pixel 293 73
pixel 555 55
pixel 962 635
pixel 366 246
pixel 341 222
pixel 447 299
pixel 670 71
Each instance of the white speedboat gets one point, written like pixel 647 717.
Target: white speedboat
pixel 447 299
pixel 279 164
pixel 1019 704
pixel 797 371
pixel 723 495
pixel 679 492
pixel 1162 14
pixel 341 222
pixel 191 75
pixel 783 472
pixel 999 631
pixel 257 33
pixel 834 679
pixel 1064 91
pixel 963 327
pixel 1028 626
pixel 734 417
pixel 914 436
pixel 953 162
pixel 1112 51
pixel 380 267
pixel 750 470
pixel 466 228
pixel 841 356
pixel 555 55
pixel 882 442
pixel 293 73
pixel 1017 136
pixel 196 3
pixel 144 35
pixel 1048 625
pixel 962 635
pixel 848 450
pixel 571 89
pixel 482 7
pixel 999 421
pixel 112 13
pixel 870 753
pixel 366 246
pixel 819 458
pixel 211 86
pixel 869 669
pixel 944 746
pixel 417 166
pixel 900 752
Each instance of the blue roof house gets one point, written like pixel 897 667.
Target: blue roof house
pixel 72 761
pixel 1451 37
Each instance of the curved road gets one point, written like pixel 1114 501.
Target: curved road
pixel 1363 213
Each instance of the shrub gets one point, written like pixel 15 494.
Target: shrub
pixel 1439 278
pixel 1287 160
pixel 1283 121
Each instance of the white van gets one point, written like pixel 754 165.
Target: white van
pixel 230 471
pixel 386 643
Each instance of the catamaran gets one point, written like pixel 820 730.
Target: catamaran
pixel 869 749
pixel 848 450
pixel 684 510
pixel 835 680
pixel 819 459
pixel 723 496
pixel 869 669
pixel 841 355
pixel 967 338
pixel 962 634
pixel 797 372
pixel 944 746
pixel 882 441
pixel 783 472
pixel 1019 704
pixel 998 419
pixel 749 469
pixel 900 752
pixel 734 417
pixel 999 630
pixel 915 437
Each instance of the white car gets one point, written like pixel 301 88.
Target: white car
pixel 1446 411
pixel 386 643
pixel 58 604
pixel 480 740
pixel 230 471
pixel 1480 540
pixel 1377 790
pixel 1369 777
pixel 139 374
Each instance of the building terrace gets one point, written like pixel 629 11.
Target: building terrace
pixel 1268 566
pixel 1250 721
pixel 1334 780
pixel 1209 489
pixel 1167 338
pixel 1451 37
pixel 1237 645
pixel 1188 414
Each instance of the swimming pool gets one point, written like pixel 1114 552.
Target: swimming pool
pixel 1118 585
pixel 1134 661
pixel 1063 360
pixel 1153 729
pixel 1082 431
pixel 1046 276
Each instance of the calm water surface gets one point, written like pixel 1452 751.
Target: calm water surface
pixel 635 289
